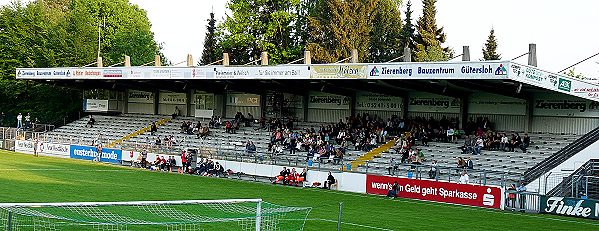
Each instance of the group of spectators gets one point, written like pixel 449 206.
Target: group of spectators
pixel 490 140
pixel 23 122
pixel 291 177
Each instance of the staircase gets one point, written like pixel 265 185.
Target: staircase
pixel 138 132
pixel 370 155
pixel 562 155
pixel 576 182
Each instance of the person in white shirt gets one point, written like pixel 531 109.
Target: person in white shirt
pixel 450 135
pixel 503 143
pixel 464 179
pixel 27 121
pixel 20 121
pixel 478 146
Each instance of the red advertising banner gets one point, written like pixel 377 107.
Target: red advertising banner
pixel 464 194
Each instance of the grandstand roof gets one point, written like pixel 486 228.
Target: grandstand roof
pixel 456 79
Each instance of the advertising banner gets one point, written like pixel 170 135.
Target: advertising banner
pixel 485 103
pixel 378 102
pixel 572 207
pixel 151 157
pixel 338 71
pixel 172 98
pixel 96 105
pixel 24 146
pixel 136 96
pixel 90 153
pixel 425 102
pixel 323 100
pixel 250 100
pixel 547 104
pixel 464 194
pixel 470 70
pixel 262 72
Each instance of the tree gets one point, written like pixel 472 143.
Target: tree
pixel 212 51
pixel 430 38
pixel 408 35
pixel 258 25
pixel 385 38
pixel 338 26
pixel 59 33
pixel 490 48
pixel 572 73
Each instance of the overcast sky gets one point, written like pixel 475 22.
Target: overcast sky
pixel 565 31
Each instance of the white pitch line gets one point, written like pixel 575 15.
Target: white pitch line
pixel 64 169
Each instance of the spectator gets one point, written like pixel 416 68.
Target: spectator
pixel 219 170
pixel 282 176
pixel 303 176
pixel 171 163
pixel 464 178
pixel 153 128
pixel 394 190
pixel 183 161
pixel 99 150
pixel 176 113
pixel 291 177
pixel 330 181
pixel 521 187
pixel 250 147
pixel 20 120
pixel 478 146
pixel 504 142
pixel 28 121
pixel 434 171
pixel 36 144
pixel 467 147
pixel 450 135
pixel 469 163
pixel 461 163
pixel 90 121
pixel 144 158
pixel 525 143
pixel 512 143
pixel 512 196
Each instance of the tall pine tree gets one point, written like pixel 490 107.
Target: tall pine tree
pixel 430 38
pixel 212 51
pixel 490 48
pixel 408 35
pixel 385 38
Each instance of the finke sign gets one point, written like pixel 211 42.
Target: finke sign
pixel 570 207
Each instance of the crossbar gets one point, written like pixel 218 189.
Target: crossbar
pixel 124 203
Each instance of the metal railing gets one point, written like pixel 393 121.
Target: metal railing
pixel 529 202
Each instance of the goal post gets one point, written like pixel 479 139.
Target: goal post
pixel 183 215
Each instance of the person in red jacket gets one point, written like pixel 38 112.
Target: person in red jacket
pixel 183 163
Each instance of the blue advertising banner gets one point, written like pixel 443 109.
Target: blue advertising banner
pixel 90 153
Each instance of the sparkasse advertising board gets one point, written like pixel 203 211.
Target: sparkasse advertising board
pixel 463 194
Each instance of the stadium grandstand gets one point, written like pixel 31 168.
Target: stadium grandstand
pixel 503 123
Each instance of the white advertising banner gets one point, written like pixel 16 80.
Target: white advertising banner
pixel 323 100
pixel 460 70
pixel 259 72
pixel 426 102
pixel 116 73
pixel 548 104
pixel 172 98
pixel 151 157
pixel 46 149
pixel 200 113
pixel 378 102
pixel 136 96
pixel 338 71
pixel 250 100
pixel 96 105
pixel 485 103
pixel 556 82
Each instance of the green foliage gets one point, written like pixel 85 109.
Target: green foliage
pixel 490 48
pixel 430 38
pixel 260 25
pixel 408 32
pixel 58 33
pixel 572 73
pixel 212 51
pixel 385 38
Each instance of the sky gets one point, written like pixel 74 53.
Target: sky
pixel 565 32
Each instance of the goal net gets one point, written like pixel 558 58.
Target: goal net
pixel 222 215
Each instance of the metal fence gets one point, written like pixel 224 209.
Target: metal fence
pixel 529 202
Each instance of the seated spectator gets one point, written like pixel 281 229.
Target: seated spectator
pixel 393 165
pixel 291 177
pixel 525 143
pixel 229 127
pixel 204 132
pixel 338 156
pixel 478 146
pixel 464 178
pixel 282 176
pixel 512 143
pixel 91 121
pixel 330 181
pixel 157 141
pixel 250 147
pixel 153 128
pixel 219 170
pixel 469 163
pixel 503 144
pixel 461 163
pixel 302 176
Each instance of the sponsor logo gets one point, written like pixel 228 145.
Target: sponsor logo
pixel 336 100
pixel 22 73
pixel 516 69
pixel 477 70
pixel 344 71
pixel 62 73
pixel 500 70
pixel 141 95
pixel 374 71
pixel 564 85
pixel 571 207
pixel 564 105
pixel 444 103
pixel 91 153
pixel 435 71
pixel 113 73
pixel 82 73
pixel 231 73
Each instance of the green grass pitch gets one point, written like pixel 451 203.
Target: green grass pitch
pixel 24 178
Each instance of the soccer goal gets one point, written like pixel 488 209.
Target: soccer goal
pixel 222 215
